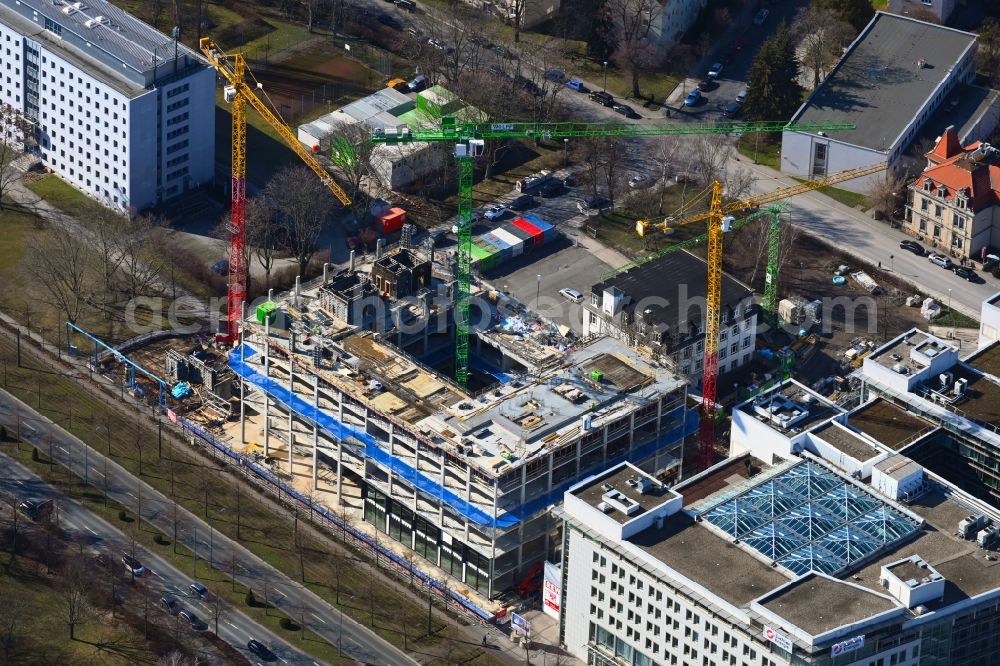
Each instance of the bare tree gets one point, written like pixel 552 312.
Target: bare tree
pixel 107 228
pixel 301 202
pixel 664 154
pixel 15 131
pixel 75 581
pixel 219 609
pixel 351 151
pixel 886 195
pixel 266 236
pixel 822 36
pixel 58 263
pixel 12 615
pixel 142 265
pixel 633 22
pixel 514 9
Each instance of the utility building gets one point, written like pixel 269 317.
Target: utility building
pixel 120 110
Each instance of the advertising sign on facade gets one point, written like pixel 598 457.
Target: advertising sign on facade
pixel 552 590
pixel 849 645
pixel 779 639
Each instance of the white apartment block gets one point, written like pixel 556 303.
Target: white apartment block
pixel 121 111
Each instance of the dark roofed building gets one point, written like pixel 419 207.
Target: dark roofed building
pixel 888 83
pixel 661 304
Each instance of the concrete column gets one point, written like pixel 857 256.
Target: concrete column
pixel 298 289
pixel 270 294
pixel 392 452
pixel 326 271
pixel 378 248
pixel 243 402
pixel 468 496
pixel 352 261
pixel 340 445
pixel 267 400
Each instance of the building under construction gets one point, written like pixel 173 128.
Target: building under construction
pixel 345 388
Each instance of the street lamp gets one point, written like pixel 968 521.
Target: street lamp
pixel 950 314
pixel 605 76
pixel 565 152
pixel 538 288
pixel 890 263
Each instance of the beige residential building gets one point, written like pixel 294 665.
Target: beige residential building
pixel 955 203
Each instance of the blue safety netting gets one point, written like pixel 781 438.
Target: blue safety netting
pixel 809 518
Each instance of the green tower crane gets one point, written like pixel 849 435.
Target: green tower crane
pixel 469 139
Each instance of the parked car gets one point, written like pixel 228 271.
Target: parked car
pixel 170 604
pixel 577 85
pixel 523 202
pixel 715 70
pixel 705 85
pixel 741 96
pixel 625 110
pixel 133 565
pixel 198 590
pixel 551 188
pixel 692 98
pixel 495 212
pixel 399 85
pixel 221 267
pixel 260 650
pixel 571 294
pixel 761 16
pixel 36 509
pixel 940 260
pixel 418 83
pixel 390 21
pixel 602 97
pixel 638 180
pixel 967 273
pixel 569 181
pixel 196 622
pixel 912 246
pixel 592 205
pixel 555 75
pixel 732 109
pixel 991 262
pixel 408 5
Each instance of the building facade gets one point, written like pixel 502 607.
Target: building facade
pixel 926 61
pixel 661 305
pixel 120 111
pixel 940 10
pixel 955 203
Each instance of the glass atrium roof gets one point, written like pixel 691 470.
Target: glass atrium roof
pixel 808 518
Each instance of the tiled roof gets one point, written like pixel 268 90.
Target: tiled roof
pixel 972 171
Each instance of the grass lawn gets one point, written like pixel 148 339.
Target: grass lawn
pixel 950 317
pixel 880 5
pixel 284 35
pixel 851 199
pixel 265 531
pixel 57 192
pixel 767 152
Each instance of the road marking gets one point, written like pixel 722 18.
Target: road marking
pixel 318 618
pixel 231 624
pixel 86 527
pixel 95 471
pixel 63 449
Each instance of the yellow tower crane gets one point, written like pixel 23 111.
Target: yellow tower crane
pixel 238 94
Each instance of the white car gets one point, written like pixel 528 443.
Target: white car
pixel 638 180
pixel 571 294
pixel 715 70
pixel 495 212
pixel 741 96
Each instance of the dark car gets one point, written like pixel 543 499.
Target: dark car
pixel 390 21
pixel 170 604
pixel 625 110
pixel 912 246
pixel 221 267
pixel 522 202
pixel 260 650
pixel 706 84
pixel 555 75
pixel 198 590
pixel 552 188
pixel 967 273
pixel 602 97
pixel 732 109
pixel 133 565
pixel 36 510
pixel 527 84
pixel 409 5
pixel 196 622
pixel 569 181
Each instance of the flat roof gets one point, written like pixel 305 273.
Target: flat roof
pixel 897 466
pixel 105 33
pixel 908 570
pixel 964 108
pixel 963 564
pixel 718 565
pixel 806 408
pixel 878 86
pixel 724 476
pixel 846 441
pixel 981 401
pixel 819 604
pixel 987 360
pixel 658 282
pixel 899 353
pixel 888 424
pixel 623 480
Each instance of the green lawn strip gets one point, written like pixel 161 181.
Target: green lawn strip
pixel 954 318
pixel 57 192
pixel 156 541
pixel 767 152
pixel 846 197
pixel 87 417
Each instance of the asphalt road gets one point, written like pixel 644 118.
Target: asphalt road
pixel 161 577
pixel 287 595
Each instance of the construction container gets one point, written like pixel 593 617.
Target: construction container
pixel 516 244
pixel 529 242
pixel 267 311
pixel 497 242
pixel 536 234
pixel 391 220
pixel 547 229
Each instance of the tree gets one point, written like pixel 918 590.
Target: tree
pixel 351 151
pixel 633 22
pixel 107 228
pixel 886 195
pixel 988 57
pixel 12 615
pixel 856 12
pixel 265 234
pixel 15 129
pixel 58 263
pixel 142 264
pixel 775 93
pixel 301 202
pixel 822 36
pixel 73 596
pixel 515 14
pixel 219 609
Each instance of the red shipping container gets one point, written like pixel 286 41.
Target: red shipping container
pixel 392 220
pixel 537 235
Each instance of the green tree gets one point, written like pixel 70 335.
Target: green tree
pixel 856 12
pixel 989 50
pixel 775 92
pixel 601 42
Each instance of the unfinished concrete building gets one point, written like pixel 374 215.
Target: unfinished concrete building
pixel 463 478
pixel 401 274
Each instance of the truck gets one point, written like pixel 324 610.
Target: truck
pixel 530 183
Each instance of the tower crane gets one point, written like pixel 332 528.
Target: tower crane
pixel 239 94
pixel 469 139
pixel 719 217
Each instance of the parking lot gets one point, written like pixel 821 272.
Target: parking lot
pixel 561 265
